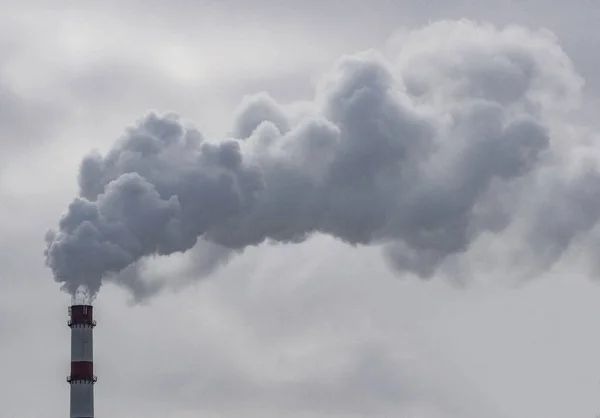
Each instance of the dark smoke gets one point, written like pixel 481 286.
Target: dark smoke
pixel 423 154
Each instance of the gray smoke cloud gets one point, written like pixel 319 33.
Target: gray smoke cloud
pixel 453 138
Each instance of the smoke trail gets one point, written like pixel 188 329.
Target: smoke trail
pixel 425 153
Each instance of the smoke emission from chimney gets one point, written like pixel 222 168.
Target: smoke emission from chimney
pixel 456 136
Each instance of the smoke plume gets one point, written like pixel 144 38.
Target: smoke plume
pixel 456 135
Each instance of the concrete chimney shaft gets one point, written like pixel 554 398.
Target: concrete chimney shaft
pixel 82 379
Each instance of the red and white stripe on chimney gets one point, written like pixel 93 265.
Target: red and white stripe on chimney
pixel 82 379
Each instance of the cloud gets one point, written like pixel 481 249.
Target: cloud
pixel 303 324
pixel 17 133
pixel 286 332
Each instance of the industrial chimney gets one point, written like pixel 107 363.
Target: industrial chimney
pixel 82 379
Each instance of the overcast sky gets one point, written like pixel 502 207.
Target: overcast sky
pixel 315 329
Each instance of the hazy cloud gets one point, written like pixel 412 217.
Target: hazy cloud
pixel 470 128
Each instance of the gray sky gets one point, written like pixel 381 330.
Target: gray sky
pixel 317 329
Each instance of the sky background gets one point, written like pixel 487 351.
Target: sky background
pixel 318 329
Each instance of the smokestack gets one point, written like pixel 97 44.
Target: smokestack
pixel 82 379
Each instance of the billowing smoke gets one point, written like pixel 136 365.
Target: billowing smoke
pixel 457 135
